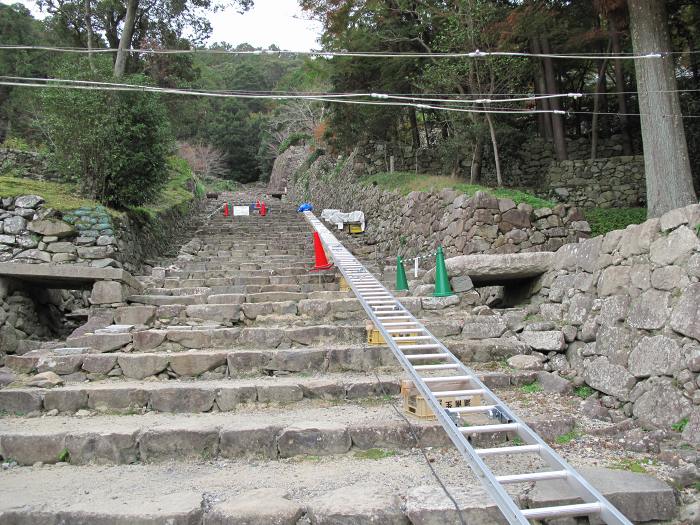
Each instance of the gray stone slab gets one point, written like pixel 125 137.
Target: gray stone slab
pixel 496 269
pixel 66 276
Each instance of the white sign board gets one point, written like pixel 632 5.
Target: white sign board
pixel 241 210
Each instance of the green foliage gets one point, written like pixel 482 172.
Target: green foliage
pixel 16 143
pixel 532 388
pixel 583 391
pixel 60 196
pixel 680 425
pixel 115 145
pixel 64 456
pixel 567 438
pixel 405 182
pixel 292 140
pixel 629 464
pixel 375 454
pixel 604 220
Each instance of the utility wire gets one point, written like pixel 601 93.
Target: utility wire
pixel 361 54
pixel 97 86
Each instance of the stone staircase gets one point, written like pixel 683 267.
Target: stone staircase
pixel 240 388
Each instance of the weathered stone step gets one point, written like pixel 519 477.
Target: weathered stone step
pixel 193 396
pixel 338 489
pixel 304 429
pixel 218 364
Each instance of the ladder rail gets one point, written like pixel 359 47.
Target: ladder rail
pixel 358 277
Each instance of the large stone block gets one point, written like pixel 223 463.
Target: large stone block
pixel 661 404
pixel 109 292
pixel 675 247
pixel 655 356
pixel 685 317
pixel 228 398
pixel 65 400
pixel 139 366
pixel 357 504
pixel 319 439
pixel 256 507
pixel 20 401
pixel 51 227
pixel 650 310
pixel 106 447
pixel 107 399
pixel 249 440
pixel 148 339
pixel 185 400
pixel 614 380
pixel 190 338
pixel 429 505
pixel 135 315
pixel 214 312
pixel 99 363
pixel 549 341
pixel 191 364
pixel 27 449
pixel 174 443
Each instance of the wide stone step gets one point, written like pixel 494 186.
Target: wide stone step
pixel 393 489
pixel 308 428
pixel 219 364
pixel 114 396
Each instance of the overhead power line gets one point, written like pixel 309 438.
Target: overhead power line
pixel 329 98
pixel 358 54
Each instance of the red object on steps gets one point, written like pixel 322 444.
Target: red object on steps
pixel 321 260
pixel 263 209
pixel 225 209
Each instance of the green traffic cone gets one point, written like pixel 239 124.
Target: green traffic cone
pixel 442 282
pixel 401 282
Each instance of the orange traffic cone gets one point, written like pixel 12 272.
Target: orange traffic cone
pixel 321 260
pixel 225 209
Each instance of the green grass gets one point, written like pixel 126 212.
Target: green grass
pixel 604 220
pixel 64 456
pixel 629 464
pixel 567 438
pixel 531 388
pixel 680 426
pixel 696 486
pixel 58 195
pixel 375 453
pixel 583 391
pixel 406 182
pixel 175 191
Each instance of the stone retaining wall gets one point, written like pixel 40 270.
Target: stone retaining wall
pixel 27 164
pixel 32 233
pixel 632 297
pixel 604 183
pixel 421 221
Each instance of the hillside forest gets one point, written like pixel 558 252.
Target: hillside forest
pixel 118 146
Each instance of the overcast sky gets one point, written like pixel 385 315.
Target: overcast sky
pixel 279 22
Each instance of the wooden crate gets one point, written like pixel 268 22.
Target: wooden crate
pixel 355 228
pixel 415 404
pixel 374 336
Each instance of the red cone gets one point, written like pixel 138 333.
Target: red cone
pixel 263 209
pixel 225 209
pixel 321 260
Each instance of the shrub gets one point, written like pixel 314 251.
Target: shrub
pixel 292 140
pixel 604 220
pixel 115 145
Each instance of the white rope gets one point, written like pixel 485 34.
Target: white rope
pixel 362 54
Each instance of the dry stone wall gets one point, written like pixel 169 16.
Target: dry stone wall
pixel 27 164
pixel 603 183
pixel 420 221
pixel 633 297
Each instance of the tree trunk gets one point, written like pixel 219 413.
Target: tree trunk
pixel 494 144
pixel 88 25
pixel 597 99
pixel 558 132
pixel 125 40
pixel 666 164
pixel 475 173
pixel 414 127
pixel 620 85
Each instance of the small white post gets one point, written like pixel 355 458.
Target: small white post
pixel 415 267
pixel 391 164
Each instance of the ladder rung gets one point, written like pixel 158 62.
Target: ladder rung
pixel 520 449
pixel 435 367
pixel 411 338
pixel 407 323
pixel 454 393
pixel 447 379
pixel 419 357
pixel 487 429
pixel 382 301
pixel 403 330
pixel 580 509
pixel 421 347
pixel 532 476
pixel 471 410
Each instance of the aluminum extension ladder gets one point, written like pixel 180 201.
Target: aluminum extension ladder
pixel 393 321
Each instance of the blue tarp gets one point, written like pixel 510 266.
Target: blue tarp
pixel 307 206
